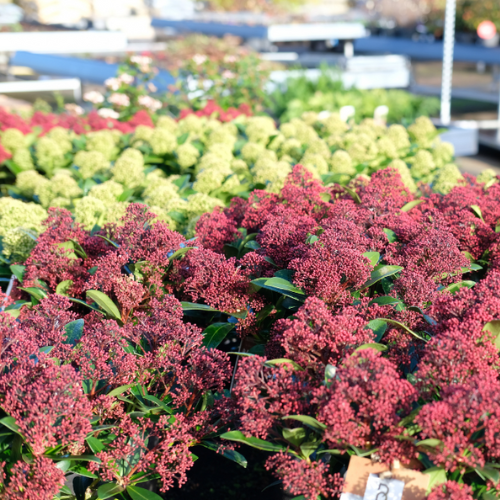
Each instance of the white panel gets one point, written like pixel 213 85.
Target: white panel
pixel 313 31
pixel 63 42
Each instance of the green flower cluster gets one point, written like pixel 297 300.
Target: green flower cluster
pixel 183 169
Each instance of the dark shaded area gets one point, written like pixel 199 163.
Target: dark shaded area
pixel 214 477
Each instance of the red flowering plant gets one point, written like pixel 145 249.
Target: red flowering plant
pixel 368 325
pixel 370 340
pixel 103 386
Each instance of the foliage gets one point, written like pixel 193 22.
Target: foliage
pixel 351 304
pixel 187 167
pixel 299 94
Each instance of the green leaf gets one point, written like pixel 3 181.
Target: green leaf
pixel 433 443
pixel 477 211
pixel 410 205
pixel 373 257
pixel 385 301
pixel 494 328
pixel 18 272
pixel 105 303
pixel 455 287
pixel 489 473
pixel 10 423
pixel 232 455
pixel 189 306
pixel 381 272
pixel 260 444
pixel 403 327
pixel 179 253
pixel 353 194
pixel 214 334
pixel 80 458
pixel 107 240
pixel 309 448
pixel 138 493
pixel 37 293
pixel 253 245
pixel 63 287
pixel 375 346
pixel 108 490
pixel 82 471
pixel 182 138
pixel 294 436
pixel 125 195
pixel 280 285
pixel 74 331
pixel 70 249
pixel 83 303
pixel 78 249
pixel 120 390
pixel 158 402
pixel 282 361
pixel 391 235
pixel 378 327
pixel 438 476
pixel 307 420
pixel 95 444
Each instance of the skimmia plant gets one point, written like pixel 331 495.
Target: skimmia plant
pixel 367 318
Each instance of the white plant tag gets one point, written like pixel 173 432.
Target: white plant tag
pixel 383 489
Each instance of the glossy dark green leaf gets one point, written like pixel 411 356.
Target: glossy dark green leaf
pixel 69 249
pixel 108 490
pixel 10 423
pixel 232 455
pixel 18 272
pixel 489 473
pixel 391 235
pixel 477 211
pixel 104 302
pixel 37 293
pixel 83 303
pixel 307 420
pixel 379 327
pixel 432 443
pixel 437 477
pixel 410 205
pixel 375 346
pixel 253 245
pixel 138 493
pixel 179 253
pixel 353 194
pixel 214 334
pixel 107 240
pixel 280 285
pixel 494 328
pixel 79 249
pixel 64 287
pixel 260 444
pixel 381 272
pixel 74 331
pixel 403 327
pixel 95 444
pixel 373 257
pixel 295 436
pixel 189 306
pixel 455 287
pixel 385 301
pixel 283 361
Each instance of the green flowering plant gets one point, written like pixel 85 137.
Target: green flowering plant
pixel 183 169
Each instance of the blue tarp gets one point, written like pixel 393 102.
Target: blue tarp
pixel 87 70
pixel 423 50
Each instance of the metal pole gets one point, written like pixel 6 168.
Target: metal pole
pixel 449 42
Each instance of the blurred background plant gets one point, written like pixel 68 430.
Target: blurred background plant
pixel 128 92
pixel 299 94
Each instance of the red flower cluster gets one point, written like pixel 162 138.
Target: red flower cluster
pixel 370 325
pixel 213 110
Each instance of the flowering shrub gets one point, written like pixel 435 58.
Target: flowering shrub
pixel 368 320
pixel 185 168
pixel 115 395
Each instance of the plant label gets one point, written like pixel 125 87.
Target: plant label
pixel 379 488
